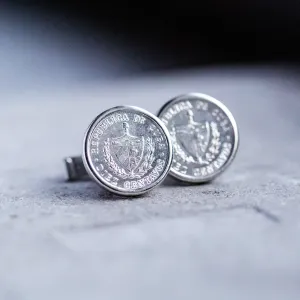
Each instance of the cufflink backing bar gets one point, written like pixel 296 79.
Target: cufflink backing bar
pixel 75 168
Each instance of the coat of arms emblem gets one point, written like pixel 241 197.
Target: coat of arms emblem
pixel 129 156
pixel 196 141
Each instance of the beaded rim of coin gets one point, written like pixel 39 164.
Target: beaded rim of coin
pixel 199 96
pixel 90 168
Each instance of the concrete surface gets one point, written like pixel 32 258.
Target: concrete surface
pixel 236 238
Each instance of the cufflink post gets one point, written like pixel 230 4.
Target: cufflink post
pixel 75 168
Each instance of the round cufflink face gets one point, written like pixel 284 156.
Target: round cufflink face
pixel 204 136
pixel 127 150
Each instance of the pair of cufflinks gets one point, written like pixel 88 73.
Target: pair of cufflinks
pixel 129 151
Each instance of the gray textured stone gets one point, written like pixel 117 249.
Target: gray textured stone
pixel 236 238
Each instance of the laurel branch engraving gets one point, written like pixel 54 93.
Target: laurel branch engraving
pixel 142 169
pixel 215 145
pixel 211 153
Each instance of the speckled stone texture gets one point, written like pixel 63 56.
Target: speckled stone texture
pixel 236 238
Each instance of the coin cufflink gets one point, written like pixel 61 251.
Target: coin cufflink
pixel 204 135
pixel 126 150
pixel 129 151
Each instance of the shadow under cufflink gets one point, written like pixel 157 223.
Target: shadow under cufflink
pixel 78 176
pixel 84 190
pixel 173 182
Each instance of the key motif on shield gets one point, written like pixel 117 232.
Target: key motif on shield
pixel 127 155
pixel 193 140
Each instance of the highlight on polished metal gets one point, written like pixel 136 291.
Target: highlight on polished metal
pixel 204 135
pixel 126 149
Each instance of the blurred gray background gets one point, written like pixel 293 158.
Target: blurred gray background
pixel 235 238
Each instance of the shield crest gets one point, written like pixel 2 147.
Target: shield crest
pixel 127 150
pixel 194 138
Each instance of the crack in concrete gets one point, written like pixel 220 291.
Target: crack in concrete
pixel 256 209
pixel 259 210
pixel 266 214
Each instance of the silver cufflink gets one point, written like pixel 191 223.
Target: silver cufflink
pixel 129 151
pixel 126 150
pixel 204 135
